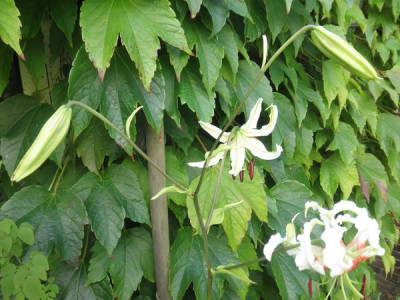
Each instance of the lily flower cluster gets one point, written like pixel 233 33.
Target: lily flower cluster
pixel 336 256
pixel 240 139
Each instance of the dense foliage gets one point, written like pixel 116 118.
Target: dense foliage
pixel 184 61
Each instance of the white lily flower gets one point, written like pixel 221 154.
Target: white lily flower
pixel 243 138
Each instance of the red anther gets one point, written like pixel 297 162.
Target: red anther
pixel 250 165
pixel 310 287
pixel 241 175
pixel 233 177
pixel 364 283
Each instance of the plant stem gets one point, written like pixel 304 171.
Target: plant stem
pixel 87 234
pixel 134 146
pixel 60 177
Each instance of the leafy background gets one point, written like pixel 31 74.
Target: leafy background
pixel 185 61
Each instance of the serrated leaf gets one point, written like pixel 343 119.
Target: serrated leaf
pixel 208 51
pixel 255 27
pixel 25 233
pixel 276 16
pixel 335 173
pixel 92 145
pixel 226 37
pixel 388 132
pixel 175 167
pixel 84 86
pixel 140 24
pixel 5 65
pixel 178 59
pixel 245 77
pixel 10 25
pixel 394 76
pixel 64 14
pixel 345 141
pixel 363 110
pixel 249 196
pixel 99 264
pixel 22 128
pixel 32 13
pixel 187 264
pixel 57 220
pixel 219 12
pixel 193 93
pixel 194 6
pixel 335 79
pixel 71 282
pixel 239 7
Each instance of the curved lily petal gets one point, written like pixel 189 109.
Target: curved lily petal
pixel 254 116
pixel 213 161
pixel 237 155
pixel 258 149
pixel 274 241
pixel 266 129
pixel 214 131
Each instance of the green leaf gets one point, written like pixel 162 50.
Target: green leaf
pixel 276 16
pixel 175 166
pixel 32 13
pixel 388 132
pixel 35 58
pixel 239 7
pixel 71 282
pixel 99 264
pixel 132 259
pixel 245 77
pixel 254 28
pixel 57 220
pixel 5 65
pixel 363 109
pixel 335 79
pixel 10 25
pixel 140 24
pixel 208 51
pixel 187 264
pixel 178 59
pixel 108 201
pixel 291 282
pixel 20 127
pixel 219 12
pixel 64 14
pixel 334 173
pixel 194 6
pixel 345 141
pixel 394 76
pixel 32 288
pixel 244 197
pixel 226 37
pixel 92 145
pixel 193 93
pixel 25 233
pixel 84 86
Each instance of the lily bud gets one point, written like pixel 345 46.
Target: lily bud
pixel 49 137
pixel 310 287
pixel 250 166
pixel 343 53
pixel 241 175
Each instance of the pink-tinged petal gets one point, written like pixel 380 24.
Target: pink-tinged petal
pixel 254 116
pixel 214 131
pixel 237 155
pixel 258 149
pixel 213 161
pixel 266 129
pixel 274 241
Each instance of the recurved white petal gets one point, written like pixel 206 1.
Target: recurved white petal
pixel 213 161
pixel 274 241
pixel 237 155
pixel 254 116
pixel 214 131
pixel 258 149
pixel 266 129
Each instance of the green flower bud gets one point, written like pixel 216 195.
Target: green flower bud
pixel 50 136
pixel 343 53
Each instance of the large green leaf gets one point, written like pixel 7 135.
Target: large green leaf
pixel 345 141
pixel 227 39
pixel 108 200
pixel 335 79
pixel 187 264
pixel 388 132
pixel 194 6
pixel 334 173
pixel 219 12
pixel 71 282
pixel 64 13
pixel 21 120
pixel 258 25
pixel 140 23
pixel 5 65
pixel 57 219
pixel 245 77
pixel 208 51
pixel 32 13
pixel 193 93
pixel 83 86
pixel 10 25
pixel 35 58
pixel 241 199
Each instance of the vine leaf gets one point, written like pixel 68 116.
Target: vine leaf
pixel 64 14
pixel 345 141
pixel 335 80
pixel 194 6
pixel 6 55
pixel 387 136
pixel 57 220
pixel 140 23
pixel 32 13
pixel 242 198
pixel 108 200
pixel 10 25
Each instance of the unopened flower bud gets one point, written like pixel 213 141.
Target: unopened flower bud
pixel 241 175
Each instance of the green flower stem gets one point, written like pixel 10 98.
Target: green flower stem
pixel 351 286
pixel 134 146
pixel 60 177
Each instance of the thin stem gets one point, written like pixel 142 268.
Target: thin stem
pixel 87 233
pixel 60 177
pixel 123 135
pixel 54 179
pixel 201 143
pixel 215 192
pixel 331 289
pixel 351 286
pixel 342 288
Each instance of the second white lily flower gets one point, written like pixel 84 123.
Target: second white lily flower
pixel 241 139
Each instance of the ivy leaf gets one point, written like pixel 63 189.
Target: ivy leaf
pixel 239 7
pixel 108 201
pixel 140 24
pixel 178 59
pixel 334 173
pixel 32 13
pixel 219 12
pixel 72 284
pixel 255 27
pixel 335 80
pixel 5 65
pixel 193 93
pixel 208 51
pixel 10 25
pixel 345 141
pixel 388 132
pixel 99 264
pixel 64 14
pixel 194 7
pixel 291 282
pixel 57 220
pixel 245 77
pixel 363 109
pixel 20 127
pixel 276 16
pixel 226 37
pixel 238 198
pixel 83 86
pixel 92 145
pixel 186 264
